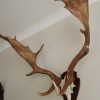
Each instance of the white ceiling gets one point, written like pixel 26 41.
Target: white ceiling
pixel 26 17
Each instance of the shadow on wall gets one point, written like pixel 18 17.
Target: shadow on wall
pixel 1 92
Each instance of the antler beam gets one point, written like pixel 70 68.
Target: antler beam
pixel 79 8
pixel 30 57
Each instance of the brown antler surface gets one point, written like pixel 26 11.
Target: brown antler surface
pixel 30 57
pixel 79 8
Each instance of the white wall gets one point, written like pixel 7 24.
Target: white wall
pixel 62 42
pixel 17 15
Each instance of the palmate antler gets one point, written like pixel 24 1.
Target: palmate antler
pixel 79 8
pixel 30 57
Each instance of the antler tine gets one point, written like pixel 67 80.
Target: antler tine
pixel 40 49
pixel 47 92
pixel 30 57
pixel 4 37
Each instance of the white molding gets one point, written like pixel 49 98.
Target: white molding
pixel 92 1
pixel 57 16
pixel 43 24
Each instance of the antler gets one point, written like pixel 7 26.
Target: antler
pixel 79 8
pixel 30 57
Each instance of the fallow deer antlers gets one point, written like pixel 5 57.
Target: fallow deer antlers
pixel 79 8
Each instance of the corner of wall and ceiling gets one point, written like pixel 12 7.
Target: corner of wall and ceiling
pixel 43 24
